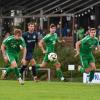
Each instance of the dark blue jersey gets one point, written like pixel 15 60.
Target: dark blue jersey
pixel 30 39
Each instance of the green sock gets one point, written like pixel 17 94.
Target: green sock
pixel 16 70
pixel 59 73
pixel 37 66
pixel 91 76
pixel 82 70
pixel 8 70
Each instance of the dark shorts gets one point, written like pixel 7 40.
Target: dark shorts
pixel 29 56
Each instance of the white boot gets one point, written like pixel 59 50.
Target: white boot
pixel 3 74
pixel 62 78
pixel 21 81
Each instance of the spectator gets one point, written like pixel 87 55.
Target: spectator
pixel 98 32
pixel 39 31
pixel 88 31
pixel 6 35
pixel 64 31
pixel 80 33
pixel 58 31
pixel 75 34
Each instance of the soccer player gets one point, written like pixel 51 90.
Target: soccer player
pixel 50 40
pixel 84 48
pixel 31 39
pixel 10 50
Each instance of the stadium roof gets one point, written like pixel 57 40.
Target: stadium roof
pixel 33 7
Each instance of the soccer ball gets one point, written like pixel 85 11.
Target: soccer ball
pixel 52 56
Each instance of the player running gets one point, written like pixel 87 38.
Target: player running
pixel 31 39
pixel 84 48
pixel 50 40
pixel 10 50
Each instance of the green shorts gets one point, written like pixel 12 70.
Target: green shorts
pixel 12 57
pixel 86 59
pixel 45 59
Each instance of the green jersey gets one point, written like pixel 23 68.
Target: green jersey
pixel 50 40
pixel 13 45
pixel 88 44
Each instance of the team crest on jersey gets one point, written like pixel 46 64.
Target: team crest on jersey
pixel 13 46
pixel 34 37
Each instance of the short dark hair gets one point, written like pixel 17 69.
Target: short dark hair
pixel 52 25
pixel 92 29
pixel 17 31
pixel 30 23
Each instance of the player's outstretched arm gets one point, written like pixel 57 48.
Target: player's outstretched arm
pixel 77 48
pixel 3 49
pixel 41 45
pixel 24 54
pixel 61 41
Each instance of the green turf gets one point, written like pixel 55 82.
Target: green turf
pixel 11 90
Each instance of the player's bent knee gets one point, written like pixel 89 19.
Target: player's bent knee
pixel 33 62
pixel 87 70
pixel 25 63
pixel 43 66
pixel 58 65
pixel 13 64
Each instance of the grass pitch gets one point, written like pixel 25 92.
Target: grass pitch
pixel 12 90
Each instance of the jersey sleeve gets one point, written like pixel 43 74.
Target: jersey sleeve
pixel 6 41
pixel 84 40
pixel 45 38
